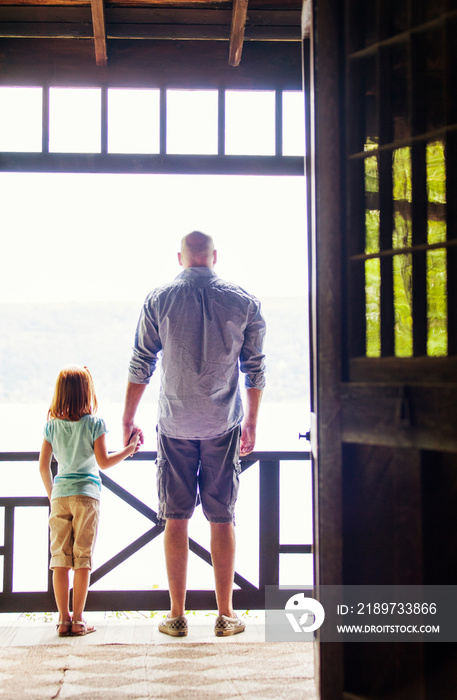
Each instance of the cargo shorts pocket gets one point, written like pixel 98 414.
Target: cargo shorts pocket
pixel 161 478
pixel 235 483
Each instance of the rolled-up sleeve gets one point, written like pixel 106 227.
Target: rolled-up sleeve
pixel 252 357
pixel 147 346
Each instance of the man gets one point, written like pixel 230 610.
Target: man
pixel 207 330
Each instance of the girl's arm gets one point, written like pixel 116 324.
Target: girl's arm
pixel 106 460
pixel 45 466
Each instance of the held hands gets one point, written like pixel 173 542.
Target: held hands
pixel 133 436
pixel 135 441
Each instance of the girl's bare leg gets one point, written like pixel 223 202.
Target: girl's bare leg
pixel 80 588
pixel 60 582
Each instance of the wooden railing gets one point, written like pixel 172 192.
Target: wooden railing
pixel 247 596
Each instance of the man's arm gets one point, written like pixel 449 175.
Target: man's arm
pixel 132 399
pixel 249 424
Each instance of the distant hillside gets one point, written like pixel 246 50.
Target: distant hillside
pixel 38 339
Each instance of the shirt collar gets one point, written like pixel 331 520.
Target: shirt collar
pixel 194 272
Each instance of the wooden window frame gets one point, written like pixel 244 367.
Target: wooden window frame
pixel 377 49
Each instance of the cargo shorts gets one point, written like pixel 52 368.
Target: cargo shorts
pixel 193 471
pixel 73 524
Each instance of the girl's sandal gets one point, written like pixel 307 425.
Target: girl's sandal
pixel 85 629
pixel 63 628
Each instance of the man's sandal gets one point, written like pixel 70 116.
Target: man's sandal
pixel 63 628
pixel 85 629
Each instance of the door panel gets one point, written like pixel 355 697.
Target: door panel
pixel 383 242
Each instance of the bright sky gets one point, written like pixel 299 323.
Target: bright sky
pixel 114 237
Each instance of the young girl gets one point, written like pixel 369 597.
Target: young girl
pixel 77 438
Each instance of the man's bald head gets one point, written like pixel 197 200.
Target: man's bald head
pixel 197 250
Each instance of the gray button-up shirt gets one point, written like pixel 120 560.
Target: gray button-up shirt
pixel 206 330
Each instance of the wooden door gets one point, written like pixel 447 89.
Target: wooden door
pixel 383 196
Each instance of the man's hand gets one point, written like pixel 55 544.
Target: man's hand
pixel 131 431
pixel 247 440
pixel 249 424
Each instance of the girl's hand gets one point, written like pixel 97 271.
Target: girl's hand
pixel 135 440
pixel 130 430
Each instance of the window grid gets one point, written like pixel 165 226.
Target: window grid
pixel 106 155
pixel 401 138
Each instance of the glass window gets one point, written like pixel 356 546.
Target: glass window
pixel 371 204
pixel 192 123
pixel 133 121
pixel 293 123
pixel 74 120
pixel 436 192
pixel 373 307
pixel 401 173
pixel 250 123
pixel 20 119
pixel 436 302
pixel 403 305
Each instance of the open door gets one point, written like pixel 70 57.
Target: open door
pixel 383 142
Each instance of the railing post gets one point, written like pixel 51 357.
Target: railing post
pixel 8 550
pixel 269 523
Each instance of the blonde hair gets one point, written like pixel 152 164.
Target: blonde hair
pixel 74 394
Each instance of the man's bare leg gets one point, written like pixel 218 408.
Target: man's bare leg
pixel 223 556
pixel 176 544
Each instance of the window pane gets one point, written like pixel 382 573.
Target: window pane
pixel 293 124
pixel 249 123
pixel 373 307
pixel 133 121
pixel 371 205
pixel 436 303
pixel 74 120
pixel 401 165
pixel 436 192
pixel 296 569
pixel 20 119
pixel 296 521
pixel 192 121
pixel 403 304
pixel 396 69
pixel 30 570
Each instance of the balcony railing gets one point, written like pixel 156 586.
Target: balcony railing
pixel 247 596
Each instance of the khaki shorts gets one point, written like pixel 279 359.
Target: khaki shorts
pixel 193 471
pixel 73 523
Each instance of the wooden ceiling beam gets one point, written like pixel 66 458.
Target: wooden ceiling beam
pixel 99 26
pixel 239 14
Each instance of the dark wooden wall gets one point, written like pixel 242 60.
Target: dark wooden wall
pixel 385 442
pixel 149 63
